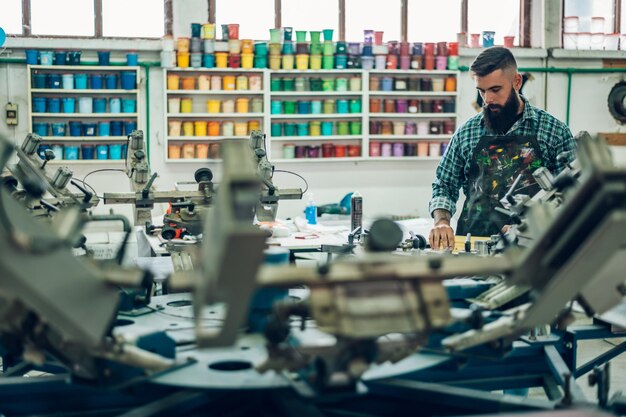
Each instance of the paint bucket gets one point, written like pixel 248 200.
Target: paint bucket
pixel 380 62
pixel 277 129
pixel 99 105
pixel 257 105
pixel 302 129
pixel 54 81
pixel 243 105
pixel 241 83
pixel 129 105
pixel 104 57
pixel 247 60
pixel 89 129
pixel 214 128
pixel 342 106
pixel 202 150
pixel 60 58
pixel 208 46
pixel 188 83
pixel 208 31
pixel 304 107
pixel 315 128
pixel 289 151
pixel 315 62
pixel 213 106
pixel 104 128
pixel 73 57
pixel 115 105
pixel 228 106
pixel 216 82
pixel 229 83
pixel 208 61
pixel 398 128
pixel 115 151
pixel 70 152
pixel 449 107
pixel 46 57
pixel 375 105
pixel 275 62
pixel 343 128
pixel 328 106
pixel 76 128
pixel 355 127
pixel 204 82
pixel 80 81
pixel 241 128
pixel 276 84
pixel 132 59
pixel 438 84
pixel 234 46
pixel 260 61
pixel 367 62
pixel 341 84
pixel 200 128
pixel 129 126
pixel 276 107
pixel 182 59
pixel 173 105
pixel 260 48
pixel 328 61
pixel 441 62
pixel 87 151
pixel 289 129
pixel 32 56
pixel 355 105
pixel 102 152
pixel 53 105
pixel 186 105
pixel 173 151
pixel 68 81
pixel 110 81
pixel 196 59
pixel 341 61
pixel 316 106
pixel 96 81
pixel 41 129
pixel 221 59
pixel 316 84
pixel 39 80
pixel 129 80
pixel 174 128
pixel 85 105
pixel 253 125
pixel 39 104
pixel 327 128
pixel 288 62
pixel 182 44
pixel 116 128
pixel 289 107
pixel 488 38
pixel 302 61
pixel 195 44
pixel 228 129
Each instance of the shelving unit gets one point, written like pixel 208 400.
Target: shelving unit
pixel 289 128
pixel 97 136
pixel 197 101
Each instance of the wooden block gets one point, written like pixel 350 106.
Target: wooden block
pixel 614 139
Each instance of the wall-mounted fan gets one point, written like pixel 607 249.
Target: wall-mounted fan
pixel 617 102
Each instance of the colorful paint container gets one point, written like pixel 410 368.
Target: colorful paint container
pixel 116 128
pixel 104 128
pixel 213 106
pixel 99 105
pixel 228 106
pixel 128 80
pixel 208 60
pixel 41 129
pixel 327 128
pixel 200 128
pixel 355 105
pixel 70 152
pixel 174 128
pixel 110 81
pixel 276 107
pixel 39 104
pixel 68 81
pixel 315 128
pixel 276 129
pixel 214 128
pixel 46 57
pixel 115 151
pixel 228 129
pixel 242 105
pixel 89 129
pixel 186 105
pixel 316 106
pixel 115 105
pixel 102 152
pixel 229 82
pixel 342 106
pixel 187 128
pixel 39 80
pixel 85 105
pixel 343 128
pixel 129 105
pixel 247 60
pixel 87 151
pixel 221 59
pixel 289 129
pixel 76 128
pixel 129 127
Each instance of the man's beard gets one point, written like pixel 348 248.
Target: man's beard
pixel 499 122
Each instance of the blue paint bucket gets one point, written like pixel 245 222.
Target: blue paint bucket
pixel 276 107
pixel 40 80
pixel 58 129
pixel 288 48
pixel 132 59
pixel 104 129
pixel 60 58
pixel 260 61
pixel 342 106
pixel 42 151
pixel 54 105
pixel 327 128
pixel 386 84
pixel 129 80
pixel 69 105
pixel 99 105
pixel 316 107
pixel 304 107
pixel 54 81
pixel 290 129
pixel 208 61
pixel 277 129
pixel 68 81
pixel 129 127
pixel 115 151
pixel 116 128
pixel 367 62
pixel 195 59
pixel 367 50
pixel 32 56
pixel 87 151
pixel 46 57
pixel 58 151
pixel 89 129
pixel 115 105
pixel 102 152
pixel 303 129
pixel 111 81
pixel 80 81
pixel 260 48
pixel 73 57
pixel 70 152
pixel 85 105
pixel 76 128
pixel 96 81
pixel 41 129
pixel 104 57
pixel 39 104
pixel 129 105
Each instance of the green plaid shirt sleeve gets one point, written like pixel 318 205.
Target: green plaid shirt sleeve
pixel 449 177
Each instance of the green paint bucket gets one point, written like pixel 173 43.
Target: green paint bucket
pixel 315 37
pixel 300 35
pixel 328 62
pixel 289 84
pixel 276 84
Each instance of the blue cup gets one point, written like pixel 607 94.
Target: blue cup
pixel 208 61
pixel 41 128
pixel 54 81
pixel 70 152
pixel 316 107
pixel 260 61
pixel 76 128
pixel 99 105
pixel 60 58
pixel 132 59
pixel 290 129
pixel 58 129
pixel 102 152
pixel 104 129
pixel 386 84
pixel 104 57
pixel 116 128
pixel 304 107
pixel 276 107
pixel 327 128
pixel 342 106
pixel 303 129
pixel 54 105
pixel 89 129
pixel 277 129
pixel 96 81
pixel 129 80
pixel 42 151
pixel 40 80
pixel 39 104
pixel 129 105
pixel 129 126
pixel 32 56
pixel 111 81
pixel 87 151
pixel 115 151
pixel 115 105
pixel 69 105
pixel 80 81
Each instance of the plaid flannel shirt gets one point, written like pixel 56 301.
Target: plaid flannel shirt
pixel 553 136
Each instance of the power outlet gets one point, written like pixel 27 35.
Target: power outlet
pixel 11 114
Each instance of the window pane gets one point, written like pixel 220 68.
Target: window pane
pixel 62 17
pixel 255 17
pixel 11 16
pixel 119 18
pixel 585 9
pixel 501 16
pixel 311 15
pixel 434 21
pixel 367 14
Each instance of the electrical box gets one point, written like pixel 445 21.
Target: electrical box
pixel 11 114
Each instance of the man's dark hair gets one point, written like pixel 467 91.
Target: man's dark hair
pixel 492 59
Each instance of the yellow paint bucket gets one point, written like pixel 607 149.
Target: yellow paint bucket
pixel 247 60
pixel 173 81
pixel 302 61
pixel 187 129
pixel 288 62
pixel 200 127
pixel 213 106
pixel 243 105
pixel 186 105
pixel 221 59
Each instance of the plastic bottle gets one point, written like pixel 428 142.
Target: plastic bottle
pixel 356 211
pixel 310 212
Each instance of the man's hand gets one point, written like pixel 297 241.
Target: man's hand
pixel 442 235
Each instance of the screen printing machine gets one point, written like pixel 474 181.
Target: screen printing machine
pixel 379 332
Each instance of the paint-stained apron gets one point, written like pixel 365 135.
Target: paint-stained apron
pixel 496 163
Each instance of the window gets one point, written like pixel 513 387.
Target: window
pixel 501 16
pixel 434 21
pixel 311 15
pixel 586 9
pixel 255 17
pixel 119 18
pixel 11 17
pixel 367 14
pixel 62 17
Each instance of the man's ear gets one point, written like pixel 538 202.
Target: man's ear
pixel 517 82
